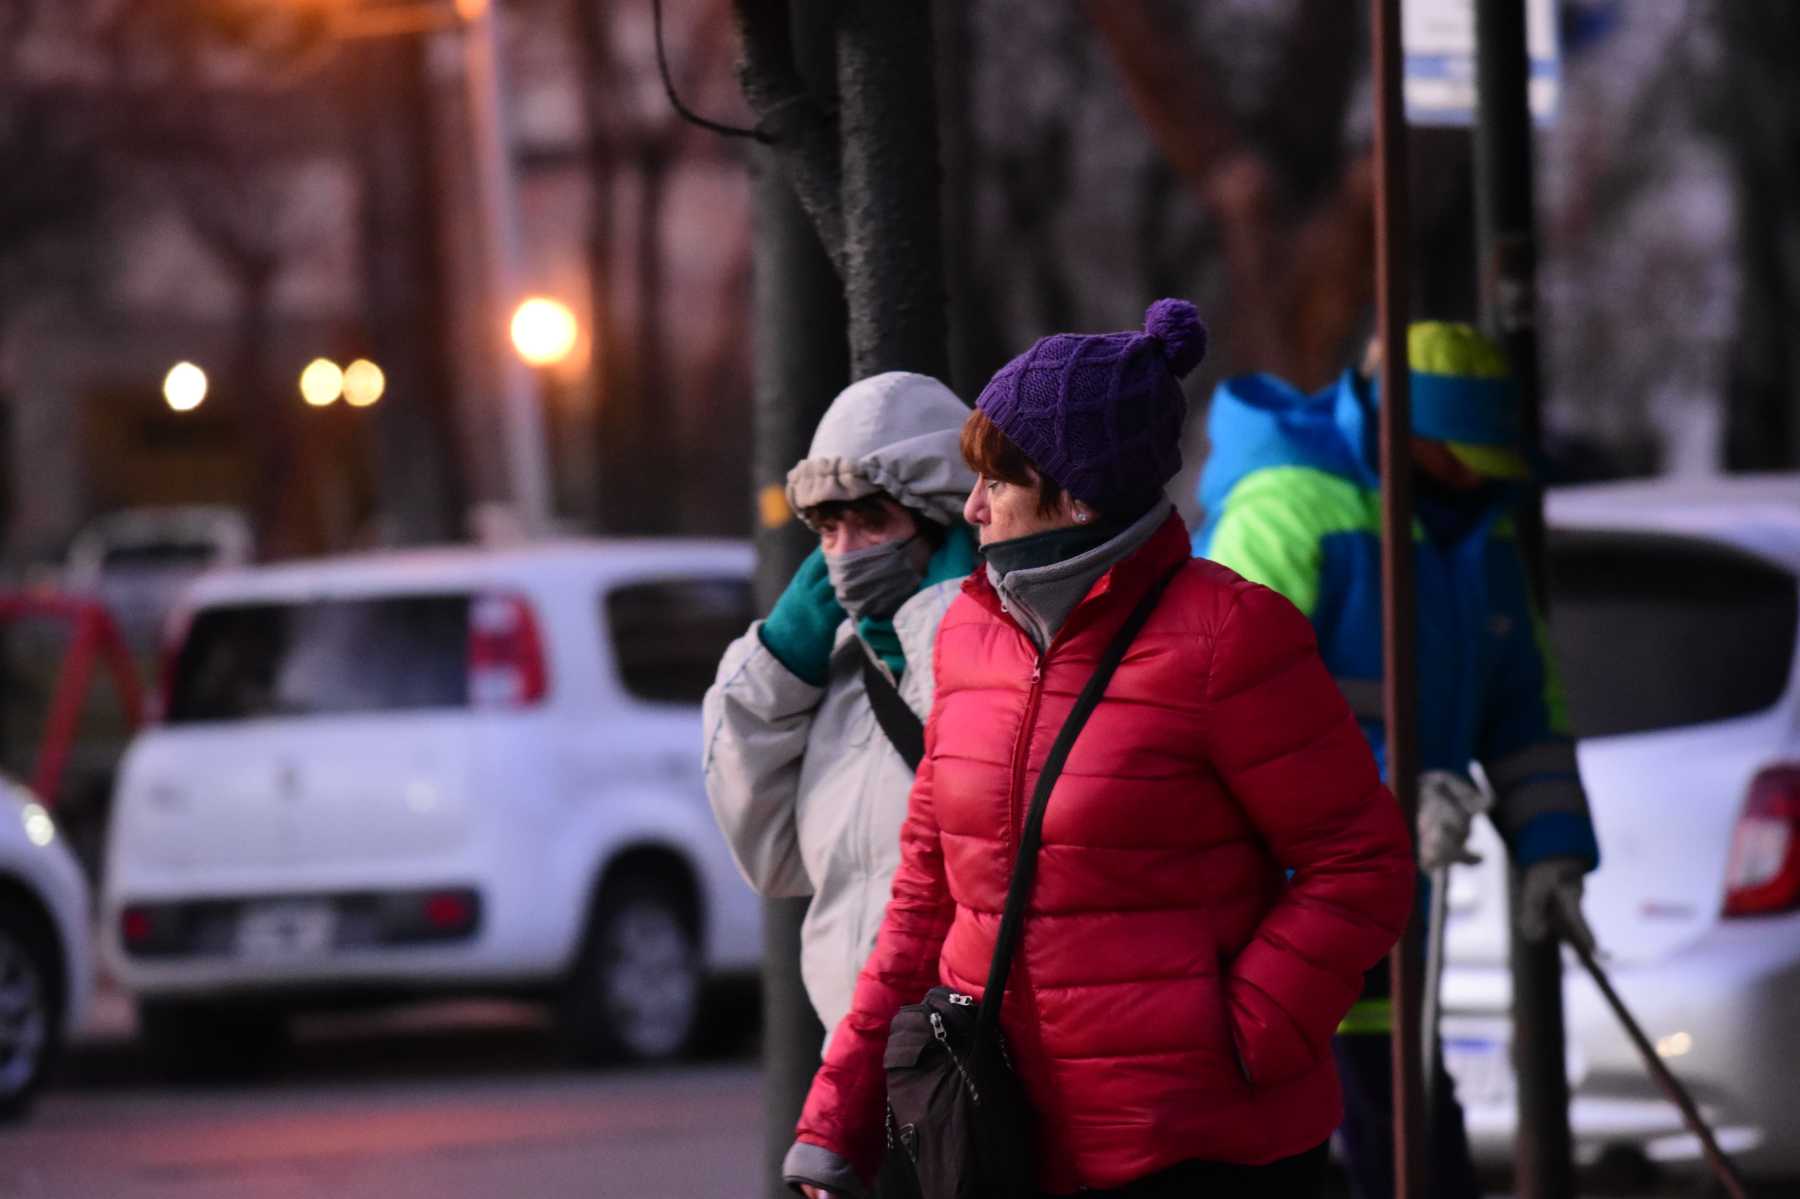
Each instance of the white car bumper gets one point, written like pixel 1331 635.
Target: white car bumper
pixel 322 942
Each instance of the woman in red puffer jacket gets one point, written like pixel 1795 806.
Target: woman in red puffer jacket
pixel 1220 860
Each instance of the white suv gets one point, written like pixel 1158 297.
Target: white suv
pixel 434 771
pixel 45 974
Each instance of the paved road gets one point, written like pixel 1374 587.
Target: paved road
pixel 465 1101
pixel 458 1106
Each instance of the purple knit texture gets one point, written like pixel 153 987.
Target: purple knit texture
pixel 1102 413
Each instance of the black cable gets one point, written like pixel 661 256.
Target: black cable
pixel 687 114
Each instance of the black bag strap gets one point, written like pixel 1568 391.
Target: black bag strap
pixel 905 731
pixel 1025 869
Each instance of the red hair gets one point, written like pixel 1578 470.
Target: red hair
pixel 991 454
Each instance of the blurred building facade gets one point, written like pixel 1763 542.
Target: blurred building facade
pixel 268 196
pixel 268 203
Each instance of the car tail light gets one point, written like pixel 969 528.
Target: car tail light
pixel 449 911
pixel 1764 872
pixel 136 926
pixel 506 657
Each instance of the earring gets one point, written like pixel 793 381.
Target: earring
pixel 1081 517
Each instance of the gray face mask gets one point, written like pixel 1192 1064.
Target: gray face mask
pixel 876 581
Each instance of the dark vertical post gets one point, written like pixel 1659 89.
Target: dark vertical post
pixel 593 34
pixel 801 362
pixel 419 478
pixel 953 28
pixel 1398 620
pixel 1543 1155
pixel 892 189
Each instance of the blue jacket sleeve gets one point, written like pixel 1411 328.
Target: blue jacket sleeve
pixel 1525 746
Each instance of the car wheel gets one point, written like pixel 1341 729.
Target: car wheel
pixel 636 990
pixel 185 1039
pixel 30 1007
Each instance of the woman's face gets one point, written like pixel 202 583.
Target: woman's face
pixel 1002 511
pixel 865 526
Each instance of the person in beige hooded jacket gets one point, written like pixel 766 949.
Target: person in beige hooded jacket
pixel 807 788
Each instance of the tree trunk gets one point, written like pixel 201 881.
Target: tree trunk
pixel 801 362
pixel 976 346
pixel 893 245
pixel 653 398
pixel 1762 132
pixel 418 475
pixel 595 39
pixel 276 511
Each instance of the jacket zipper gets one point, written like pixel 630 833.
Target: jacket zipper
pixel 1014 816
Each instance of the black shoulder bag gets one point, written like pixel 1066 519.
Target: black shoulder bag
pixel 905 731
pixel 955 1107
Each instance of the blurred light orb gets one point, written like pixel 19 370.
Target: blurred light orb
pixel 184 387
pixel 1678 1044
pixel 363 383
pixel 543 331
pixel 322 382
pixel 40 830
pixel 471 10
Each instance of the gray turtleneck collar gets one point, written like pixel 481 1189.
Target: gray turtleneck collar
pixel 1040 598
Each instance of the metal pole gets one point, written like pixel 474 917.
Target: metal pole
pixel 1544 1165
pixel 522 419
pixel 1431 1006
pixel 1398 601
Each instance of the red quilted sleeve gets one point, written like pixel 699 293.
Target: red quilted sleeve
pixel 845 1108
pixel 1289 751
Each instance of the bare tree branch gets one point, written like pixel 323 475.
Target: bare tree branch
pixel 1299 284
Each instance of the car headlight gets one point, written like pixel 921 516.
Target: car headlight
pixel 39 828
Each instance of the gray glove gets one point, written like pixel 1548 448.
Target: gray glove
pixel 1550 902
pixel 1448 805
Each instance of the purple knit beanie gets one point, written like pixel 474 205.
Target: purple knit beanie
pixel 1101 413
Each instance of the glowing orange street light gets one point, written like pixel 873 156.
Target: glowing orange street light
pixel 184 387
pixel 322 382
pixel 363 383
pixel 544 331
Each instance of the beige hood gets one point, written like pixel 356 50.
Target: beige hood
pixel 897 433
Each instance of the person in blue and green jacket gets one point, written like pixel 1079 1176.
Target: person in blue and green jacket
pixel 1292 499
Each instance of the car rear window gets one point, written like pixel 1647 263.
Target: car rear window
pixel 1655 631
pixel 393 653
pixel 160 555
pixel 668 634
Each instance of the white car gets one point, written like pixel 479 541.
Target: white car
pixel 434 771
pixel 46 977
pixel 137 561
pixel 1673 611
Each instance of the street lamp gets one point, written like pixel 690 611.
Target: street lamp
pixel 544 331
pixel 321 383
pixel 184 387
pixel 363 383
